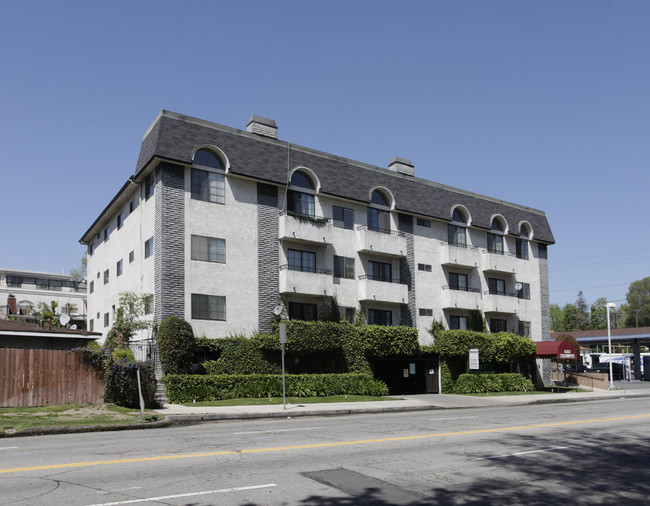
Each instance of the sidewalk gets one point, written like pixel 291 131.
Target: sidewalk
pixel 195 414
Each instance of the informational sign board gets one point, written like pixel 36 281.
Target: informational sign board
pixel 283 333
pixel 567 354
pixel 473 359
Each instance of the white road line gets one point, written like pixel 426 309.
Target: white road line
pixel 191 494
pixel 116 490
pixel 528 452
pixel 456 418
pixel 275 430
pixel 9 448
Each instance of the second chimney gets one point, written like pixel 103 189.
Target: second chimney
pixel 402 165
pixel 262 126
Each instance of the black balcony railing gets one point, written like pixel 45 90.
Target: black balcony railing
pixel 318 220
pixel 462 288
pixel 459 245
pixel 382 278
pixel 382 230
pixel 499 292
pixel 303 268
pixel 499 252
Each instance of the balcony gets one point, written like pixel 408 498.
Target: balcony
pixel 305 282
pixel 303 228
pixel 459 255
pixel 380 241
pixel 499 261
pixel 388 290
pixel 457 298
pixel 500 302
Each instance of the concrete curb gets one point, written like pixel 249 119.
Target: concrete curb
pixel 45 431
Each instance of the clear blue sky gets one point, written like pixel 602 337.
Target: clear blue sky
pixel 545 104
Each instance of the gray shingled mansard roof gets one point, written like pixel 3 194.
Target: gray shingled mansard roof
pixel 174 137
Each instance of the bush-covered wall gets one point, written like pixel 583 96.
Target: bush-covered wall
pixel 483 383
pixel 186 388
pixel 175 345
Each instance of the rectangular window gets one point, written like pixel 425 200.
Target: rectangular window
pixel 423 223
pixel 208 307
pixel 148 247
pixel 424 267
pixel 498 325
pixel 97 274
pixel 524 329
pixel 522 248
pixel 107 233
pixel 131 256
pixel 91 249
pixel 302 311
pixel 148 305
pixel 106 319
pixel 304 261
pixel 208 249
pixel 458 322
pixel 91 288
pixel 149 186
pixel 131 206
pixel 106 276
pixel 380 317
pixel 343 217
pixel 349 314
pixel 456 236
pixel 91 325
pixel 301 203
pixel 98 316
pixel 343 267
pixel 208 186
pixel 378 220
pixel 497 286
pixel 379 271
pixel 425 312
pixel 119 221
pixel 495 243
pixel 524 293
pixel 458 281
pixel 119 268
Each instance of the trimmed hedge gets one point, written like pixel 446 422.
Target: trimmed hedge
pixel 231 386
pixel 175 345
pixel 483 383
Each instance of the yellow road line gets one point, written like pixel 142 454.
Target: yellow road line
pixel 315 445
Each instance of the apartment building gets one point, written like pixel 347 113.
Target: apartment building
pixel 223 225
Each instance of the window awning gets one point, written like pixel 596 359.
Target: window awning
pixel 556 349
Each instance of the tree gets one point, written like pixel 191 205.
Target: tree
pixel 80 273
pixel 47 313
pixel 569 318
pixel 638 301
pixel 582 312
pixel 127 319
pixel 599 314
pixel 556 318
pixel 176 345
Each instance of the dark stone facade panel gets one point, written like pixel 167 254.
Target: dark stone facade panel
pixel 544 287
pixel 407 269
pixel 268 254
pixel 169 242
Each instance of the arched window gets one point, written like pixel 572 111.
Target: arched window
pixel 379 212
pixel 25 307
pixel 522 242
pixel 208 185
pixel 456 231
pixel 495 238
pixel 207 158
pixel 301 201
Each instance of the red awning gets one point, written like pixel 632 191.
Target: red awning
pixel 555 349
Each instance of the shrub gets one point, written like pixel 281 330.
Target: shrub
pixel 511 348
pixel 123 354
pixel 483 383
pixel 457 343
pixel 175 345
pixel 230 386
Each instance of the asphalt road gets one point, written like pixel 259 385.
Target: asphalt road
pixel 583 453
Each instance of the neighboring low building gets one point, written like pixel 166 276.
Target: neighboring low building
pixel 21 293
pixel 15 334
pixel 221 225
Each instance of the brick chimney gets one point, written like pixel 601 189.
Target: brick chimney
pixel 401 165
pixel 262 126
pixel 11 304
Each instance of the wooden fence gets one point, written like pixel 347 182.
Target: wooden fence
pixel 41 377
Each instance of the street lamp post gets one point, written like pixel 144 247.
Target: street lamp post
pixel 610 305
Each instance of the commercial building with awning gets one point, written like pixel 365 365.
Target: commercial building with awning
pixel 556 349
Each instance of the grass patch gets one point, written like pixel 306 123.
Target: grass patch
pixel 290 400
pixel 17 419
pixel 542 391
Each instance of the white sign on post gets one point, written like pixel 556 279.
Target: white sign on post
pixel 473 359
